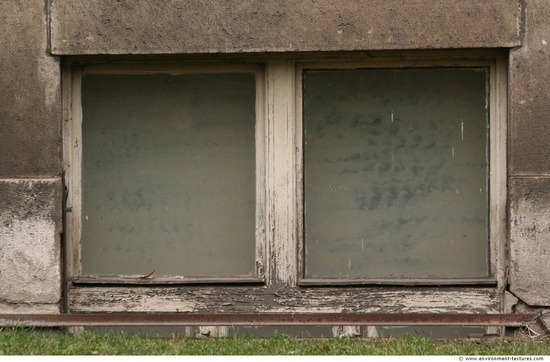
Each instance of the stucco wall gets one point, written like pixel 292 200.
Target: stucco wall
pixel 30 93
pixel 529 161
pixel 30 249
pixel 30 165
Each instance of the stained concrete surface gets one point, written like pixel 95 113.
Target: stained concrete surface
pixel 530 240
pixel 30 161
pixel 30 228
pixel 529 164
pixel 199 26
pixel 529 121
pixel 30 93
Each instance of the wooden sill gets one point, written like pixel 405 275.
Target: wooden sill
pixel 161 280
pixel 315 282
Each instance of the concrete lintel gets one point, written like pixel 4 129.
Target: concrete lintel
pixel 207 26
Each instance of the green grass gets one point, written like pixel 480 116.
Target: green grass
pixel 15 341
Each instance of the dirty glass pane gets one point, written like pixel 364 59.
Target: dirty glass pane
pixel 395 173
pixel 168 174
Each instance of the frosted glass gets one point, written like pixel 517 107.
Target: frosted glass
pixel 168 174
pixel 396 173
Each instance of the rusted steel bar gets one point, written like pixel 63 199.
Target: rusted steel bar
pixel 266 319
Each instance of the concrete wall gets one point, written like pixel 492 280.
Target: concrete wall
pixel 30 164
pixel 529 161
pixel 236 26
pixel 37 34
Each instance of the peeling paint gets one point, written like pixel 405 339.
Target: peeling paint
pixel 258 300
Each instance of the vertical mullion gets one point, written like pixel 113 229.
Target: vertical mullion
pixel 281 174
pixel 498 180
pixel 299 159
pixel 73 168
pixel 497 172
pixel 261 158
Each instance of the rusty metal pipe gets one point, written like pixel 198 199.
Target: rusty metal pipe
pixel 266 319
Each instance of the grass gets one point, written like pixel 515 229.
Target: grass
pixel 17 341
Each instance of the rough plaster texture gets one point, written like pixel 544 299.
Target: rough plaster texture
pixel 208 26
pixel 529 94
pixel 530 240
pixel 30 92
pixel 30 227
pixel 529 164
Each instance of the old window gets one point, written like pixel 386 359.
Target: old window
pixel 309 185
pixel 396 172
pixel 167 168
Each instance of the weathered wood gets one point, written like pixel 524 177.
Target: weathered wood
pixel 281 173
pixel 72 161
pixel 290 300
pixel 152 280
pixel 498 131
pixel 402 281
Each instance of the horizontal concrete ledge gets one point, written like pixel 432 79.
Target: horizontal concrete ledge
pixel 270 319
pixel 89 27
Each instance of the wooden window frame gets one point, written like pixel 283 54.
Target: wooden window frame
pixel 279 231
pixel 73 168
pixel 496 164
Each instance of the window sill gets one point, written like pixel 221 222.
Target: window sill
pixel 316 282
pixel 161 280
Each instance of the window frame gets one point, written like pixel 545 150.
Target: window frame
pixel 279 226
pixel 496 163
pixel 73 168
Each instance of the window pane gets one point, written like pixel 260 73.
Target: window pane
pixel 395 173
pixel 168 174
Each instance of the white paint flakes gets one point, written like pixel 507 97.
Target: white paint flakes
pixel 366 300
